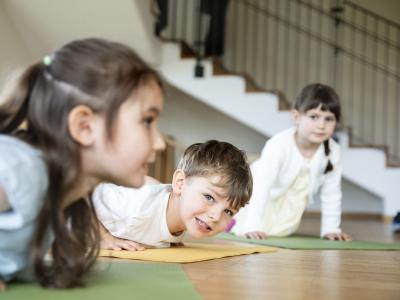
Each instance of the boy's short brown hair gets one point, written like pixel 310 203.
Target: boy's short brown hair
pixel 223 159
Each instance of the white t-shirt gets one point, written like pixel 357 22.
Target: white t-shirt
pixel 139 215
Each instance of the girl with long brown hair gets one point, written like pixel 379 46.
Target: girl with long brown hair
pixel 90 111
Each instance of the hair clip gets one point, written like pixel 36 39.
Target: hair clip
pixel 47 60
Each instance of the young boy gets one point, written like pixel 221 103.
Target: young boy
pixel 211 183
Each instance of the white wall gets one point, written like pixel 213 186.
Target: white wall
pixel 45 25
pixel 189 121
pixel 355 200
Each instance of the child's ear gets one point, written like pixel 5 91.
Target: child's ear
pixel 178 180
pixel 81 125
pixel 295 115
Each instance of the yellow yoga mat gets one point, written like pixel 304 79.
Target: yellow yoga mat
pixel 191 252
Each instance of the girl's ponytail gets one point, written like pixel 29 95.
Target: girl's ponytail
pixel 329 166
pixel 96 73
pixel 14 110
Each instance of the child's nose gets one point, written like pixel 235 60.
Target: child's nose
pixel 158 143
pixel 215 214
pixel 321 123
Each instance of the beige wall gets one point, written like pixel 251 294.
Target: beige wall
pixel 13 54
pixel 45 25
pixel 29 30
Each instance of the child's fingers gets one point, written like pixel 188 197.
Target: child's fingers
pixel 338 237
pixel 261 235
pixel 137 246
pixel 179 244
pixel 250 236
pixel 130 245
pixel 256 235
pixel 347 237
pixel 330 236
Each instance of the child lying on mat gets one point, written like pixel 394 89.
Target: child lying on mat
pixel 211 183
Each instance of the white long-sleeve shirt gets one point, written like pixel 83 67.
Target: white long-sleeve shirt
pixel 273 173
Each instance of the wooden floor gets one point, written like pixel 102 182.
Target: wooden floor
pixel 306 274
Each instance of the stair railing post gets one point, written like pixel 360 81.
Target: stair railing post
pixel 199 43
pixel 336 11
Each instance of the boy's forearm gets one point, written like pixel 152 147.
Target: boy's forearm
pixel 103 231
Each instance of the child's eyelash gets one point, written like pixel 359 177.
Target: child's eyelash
pixel 229 212
pixel 209 197
pixel 148 120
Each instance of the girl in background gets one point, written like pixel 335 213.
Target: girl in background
pixel 294 165
pixel 91 111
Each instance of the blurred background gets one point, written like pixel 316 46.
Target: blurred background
pixel 233 69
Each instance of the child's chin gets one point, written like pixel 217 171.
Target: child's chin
pixel 197 234
pixel 135 182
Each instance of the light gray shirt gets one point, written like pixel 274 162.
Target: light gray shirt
pixel 23 177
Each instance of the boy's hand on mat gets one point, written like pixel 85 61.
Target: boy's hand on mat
pixel 111 242
pixel 180 244
pixel 338 237
pixel 256 235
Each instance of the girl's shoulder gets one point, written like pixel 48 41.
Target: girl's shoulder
pixel 282 138
pixel 112 194
pixel 14 153
pixel 23 176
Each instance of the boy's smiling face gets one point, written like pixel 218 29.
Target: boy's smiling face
pixel 204 208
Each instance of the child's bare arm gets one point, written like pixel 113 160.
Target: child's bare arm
pixel 179 244
pixel 4 205
pixel 110 242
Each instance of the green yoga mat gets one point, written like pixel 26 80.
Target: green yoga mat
pixel 312 242
pixel 116 281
